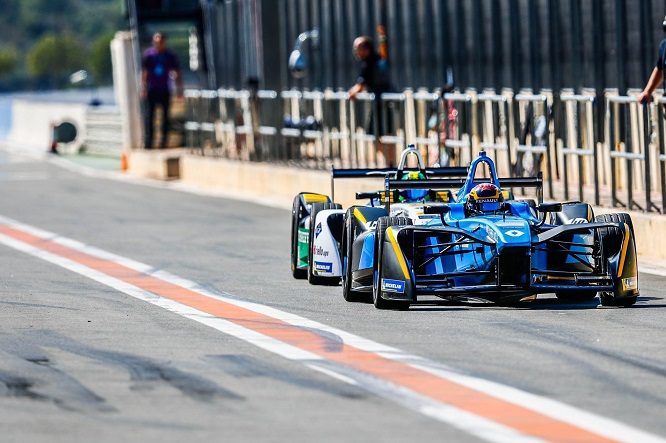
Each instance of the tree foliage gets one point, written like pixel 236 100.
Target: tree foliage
pixel 99 60
pixel 8 61
pixel 25 23
pixel 40 16
pixel 54 57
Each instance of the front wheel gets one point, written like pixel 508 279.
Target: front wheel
pixel 381 303
pixel 611 240
pixel 348 236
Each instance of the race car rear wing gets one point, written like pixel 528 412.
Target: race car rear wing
pixel 392 174
pixel 448 183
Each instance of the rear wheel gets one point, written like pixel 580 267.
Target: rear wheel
pixel 611 240
pixel 382 224
pixel 296 216
pixel 312 278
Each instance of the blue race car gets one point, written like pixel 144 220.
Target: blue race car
pixel 486 245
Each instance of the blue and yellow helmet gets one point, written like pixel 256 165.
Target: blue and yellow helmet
pixel 484 197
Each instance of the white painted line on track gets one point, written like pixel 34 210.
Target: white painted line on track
pixel 479 425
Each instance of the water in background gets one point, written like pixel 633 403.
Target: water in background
pixel 105 95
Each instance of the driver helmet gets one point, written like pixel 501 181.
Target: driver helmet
pixel 414 194
pixel 484 197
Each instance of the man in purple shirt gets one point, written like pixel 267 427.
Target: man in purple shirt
pixel 159 65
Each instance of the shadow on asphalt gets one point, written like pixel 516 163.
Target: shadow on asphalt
pixel 538 304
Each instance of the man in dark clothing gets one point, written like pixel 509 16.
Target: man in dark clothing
pixel 373 77
pixel 159 64
pixel 657 73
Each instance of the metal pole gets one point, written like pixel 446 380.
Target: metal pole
pixel 662 165
pixel 628 145
pixel 579 145
pixel 565 141
pixel 620 41
pixel 599 103
pixel 535 44
pixel 646 155
pixel 595 149
pixel 549 168
pixel 611 144
pixel 516 58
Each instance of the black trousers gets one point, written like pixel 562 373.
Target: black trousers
pixel 154 100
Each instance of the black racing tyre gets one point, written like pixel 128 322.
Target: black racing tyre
pixel 314 279
pixel 575 297
pixel 347 242
pixel 611 239
pixel 378 301
pixel 296 209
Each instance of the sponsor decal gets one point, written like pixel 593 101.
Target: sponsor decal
pixel 318 230
pixel 510 224
pixel 302 236
pixel 514 233
pixel 319 251
pixel 630 283
pixel 393 285
pixel 321 266
pixel 577 221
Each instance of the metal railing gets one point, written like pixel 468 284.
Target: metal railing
pixel 629 143
pixel 556 134
pixel 493 116
pixel 531 126
pixel 578 143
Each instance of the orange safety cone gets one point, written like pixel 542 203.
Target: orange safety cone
pixel 124 161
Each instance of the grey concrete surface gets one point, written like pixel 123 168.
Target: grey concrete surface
pixel 82 361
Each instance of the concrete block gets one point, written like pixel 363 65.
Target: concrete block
pixel 155 164
pixel 268 181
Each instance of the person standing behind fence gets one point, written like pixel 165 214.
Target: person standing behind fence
pixel 159 65
pixel 373 77
pixel 657 75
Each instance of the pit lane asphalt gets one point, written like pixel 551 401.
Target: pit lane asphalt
pixel 82 361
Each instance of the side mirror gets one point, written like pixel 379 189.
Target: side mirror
pixel 549 207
